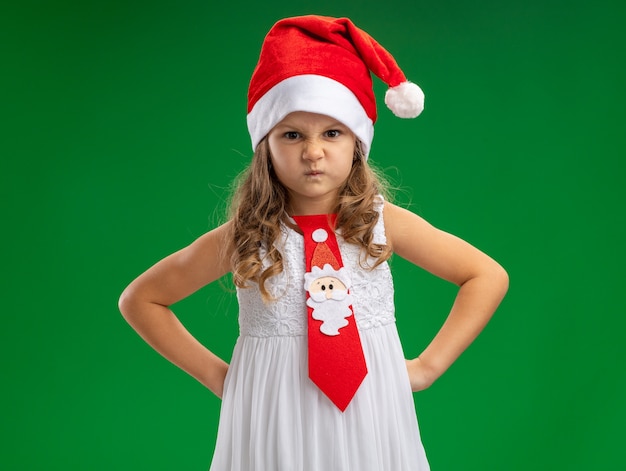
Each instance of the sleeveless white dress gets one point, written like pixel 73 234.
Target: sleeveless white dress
pixel 273 418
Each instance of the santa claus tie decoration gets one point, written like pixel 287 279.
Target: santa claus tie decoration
pixel 336 361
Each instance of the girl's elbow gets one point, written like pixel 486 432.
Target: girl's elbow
pixel 500 278
pixel 126 302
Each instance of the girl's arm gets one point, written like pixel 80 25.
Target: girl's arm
pixel 482 285
pixel 145 305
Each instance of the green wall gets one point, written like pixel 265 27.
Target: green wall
pixel 123 124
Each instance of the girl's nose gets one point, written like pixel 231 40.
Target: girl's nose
pixel 313 150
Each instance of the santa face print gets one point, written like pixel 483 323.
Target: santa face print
pixel 312 156
pixel 327 287
pixel 329 297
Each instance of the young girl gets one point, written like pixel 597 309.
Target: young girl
pixel 317 379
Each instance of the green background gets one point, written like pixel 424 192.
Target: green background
pixel 123 125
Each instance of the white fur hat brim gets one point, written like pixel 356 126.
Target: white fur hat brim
pixel 314 94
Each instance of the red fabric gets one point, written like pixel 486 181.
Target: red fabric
pixel 336 363
pixel 330 47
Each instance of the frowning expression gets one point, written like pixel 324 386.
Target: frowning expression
pixel 312 155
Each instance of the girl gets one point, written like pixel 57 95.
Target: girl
pixel 317 379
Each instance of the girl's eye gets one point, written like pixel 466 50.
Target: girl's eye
pixel 333 133
pixel 292 135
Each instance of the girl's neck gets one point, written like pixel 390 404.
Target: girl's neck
pixel 310 207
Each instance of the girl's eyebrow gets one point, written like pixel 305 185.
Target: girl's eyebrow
pixel 284 124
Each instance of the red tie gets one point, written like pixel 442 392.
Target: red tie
pixel 336 361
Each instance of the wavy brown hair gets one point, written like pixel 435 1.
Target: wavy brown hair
pixel 259 207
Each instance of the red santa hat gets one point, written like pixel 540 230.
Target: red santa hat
pixel 322 65
pixel 324 262
pixel 322 255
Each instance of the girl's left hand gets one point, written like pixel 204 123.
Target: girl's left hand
pixel 419 376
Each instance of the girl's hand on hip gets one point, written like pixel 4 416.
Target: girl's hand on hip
pixel 419 375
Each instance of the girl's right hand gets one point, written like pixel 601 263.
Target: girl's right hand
pixel 220 378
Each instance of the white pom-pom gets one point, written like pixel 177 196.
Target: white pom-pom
pixel 405 100
pixel 320 235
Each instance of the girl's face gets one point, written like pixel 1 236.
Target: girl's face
pixel 312 156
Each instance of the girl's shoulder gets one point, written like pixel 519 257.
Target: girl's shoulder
pixel 403 226
pixel 214 247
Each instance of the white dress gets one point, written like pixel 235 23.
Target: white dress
pixel 273 418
